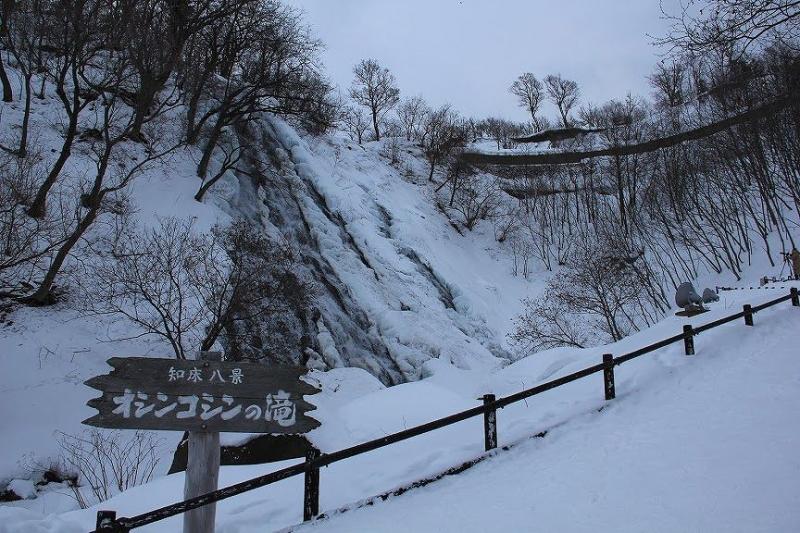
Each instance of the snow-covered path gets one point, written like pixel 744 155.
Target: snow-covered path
pixel 714 447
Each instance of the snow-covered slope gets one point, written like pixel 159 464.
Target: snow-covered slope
pixel 703 443
pixel 395 285
pixel 409 320
pixel 710 447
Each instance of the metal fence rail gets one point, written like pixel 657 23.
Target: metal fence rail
pixel 108 523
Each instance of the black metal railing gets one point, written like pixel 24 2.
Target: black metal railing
pixel 107 522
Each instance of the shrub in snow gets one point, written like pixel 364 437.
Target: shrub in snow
pixel 25 242
pixel 355 122
pixel 547 323
pixel 392 150
pixel 473 196
pixel 108 462
pixel 603 292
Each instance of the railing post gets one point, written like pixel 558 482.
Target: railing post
pixel 688 339
pixel 748 315
pixel 311 496
pixel 107 522
pixel 795 297
pixel 489 424
pixel 608 376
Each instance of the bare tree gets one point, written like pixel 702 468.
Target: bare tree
pixel 147 278
pixel 76 32
pixel 473 196
pixel 391 127
pixel 442 134
pixel 530 93
pixel 598 286
pixel 202 56
pixel 725 25
pixel 268 64
pixel 231 155
pixel 637 223
pixel 5 6
pixel 8 95
pixel 192 289
pixel 547 323
pixel 170 23
pixel 500 130
pixel 263 289
pixel 357 123
pixel 624 123
pixel 375 88
pixel 564 94
pixel 113 173
pixel 25 242
pixel 474 128
pixel 22 34
pixel 412 112
pixel 669 84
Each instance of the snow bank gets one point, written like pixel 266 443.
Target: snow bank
pixel 709 446
pixel 692 443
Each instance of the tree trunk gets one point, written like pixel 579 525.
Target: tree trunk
pixel 152 84
pixel 43 295
pixel 564 117
pixel 192 129
pixel 213 138
pixel 144 100
pixel 8 95
pixel 375 125
pixel 26 118
pixel 208 184
pixel 623 218
pixel 39 206
pixel 453 191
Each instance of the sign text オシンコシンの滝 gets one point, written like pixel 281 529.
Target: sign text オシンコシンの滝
pixel 168 394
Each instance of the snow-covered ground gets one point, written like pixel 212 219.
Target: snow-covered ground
pixel 703 443
pixel 710 446
pixel 404 295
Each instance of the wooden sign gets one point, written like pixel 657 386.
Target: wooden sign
pixel 202 396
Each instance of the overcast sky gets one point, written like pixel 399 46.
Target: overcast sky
pixel 468 52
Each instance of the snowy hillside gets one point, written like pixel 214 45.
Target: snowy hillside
pixel 395 286
pixel 703 443
pixel 708 446
pixel 399 295
pixel 283 268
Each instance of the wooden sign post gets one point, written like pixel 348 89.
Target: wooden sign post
pixel 202 472
pixel 204 397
